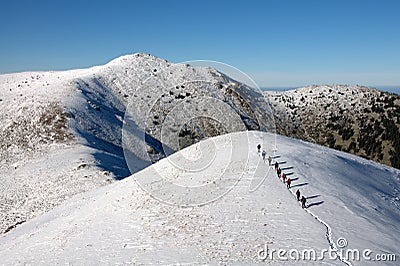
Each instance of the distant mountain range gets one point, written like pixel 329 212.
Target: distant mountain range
pixel 391 89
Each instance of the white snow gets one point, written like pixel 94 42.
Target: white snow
pixel 223 205
pixel 39 170
pixel 122 224
pixel 61 132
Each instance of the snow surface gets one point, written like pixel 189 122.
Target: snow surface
pixel 41 164
pixel 123 224
pixel 61 136
pixel 61 132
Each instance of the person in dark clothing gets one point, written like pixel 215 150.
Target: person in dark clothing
pixel 259 148
pixel 288 182
pixel 303 202
pixel 284 177
pixel 298 195
pixel 279 171
pixel 276 165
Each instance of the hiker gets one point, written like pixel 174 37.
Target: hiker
pixel 298 195
pixel 264 153
pixel 269 160
pixel 284 177
pixel 289 181
pixel 276 165
pixel 279 171
pixel 259 148
pixel 303 202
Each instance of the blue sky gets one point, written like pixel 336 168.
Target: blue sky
pixel 277 43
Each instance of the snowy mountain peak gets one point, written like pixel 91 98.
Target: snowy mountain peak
pixel 76 118
pixel 136 58
pixel 175 128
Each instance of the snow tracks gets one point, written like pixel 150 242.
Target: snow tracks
pixel 292 189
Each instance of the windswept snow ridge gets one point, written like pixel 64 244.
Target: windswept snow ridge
pixel 78 117
pixel 194 190
pixel 328 234
pixel 121 223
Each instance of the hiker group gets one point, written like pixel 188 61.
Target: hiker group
pixel 286 180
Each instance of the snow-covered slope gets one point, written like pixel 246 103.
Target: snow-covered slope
pixel 348 197
pixel 355 119
pixel 61 132
pixel 42 163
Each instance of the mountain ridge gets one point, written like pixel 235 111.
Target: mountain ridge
pixel 62 133
pixel 122 223
pixel 355 119
pixel 81 114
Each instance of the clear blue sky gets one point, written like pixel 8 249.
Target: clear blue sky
pixel 278 43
